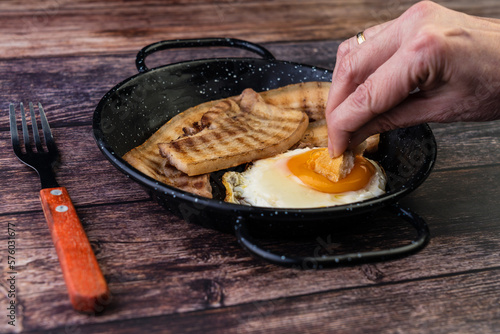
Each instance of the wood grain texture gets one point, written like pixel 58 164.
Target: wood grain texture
pixel 147 255
pixel 71 90
pixel 409 307
pixel 88 27
pixel 166 275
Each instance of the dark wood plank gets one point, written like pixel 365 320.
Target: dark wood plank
pixel 87 27
pixel 80 157
pixel 438 305
pixel 467 144
pixel 120 28
pixel 167 275
pixel 156 264
pixel 463 303
pixel 71 89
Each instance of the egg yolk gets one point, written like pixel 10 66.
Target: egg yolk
pixel 358 178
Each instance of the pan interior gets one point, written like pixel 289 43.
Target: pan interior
pixel 134 109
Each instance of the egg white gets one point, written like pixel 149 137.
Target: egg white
pixel 269 183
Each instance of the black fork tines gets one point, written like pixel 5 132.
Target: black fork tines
pixel 34 126
pixel 36 157
pixel 27 140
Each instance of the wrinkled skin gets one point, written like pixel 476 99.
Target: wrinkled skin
pixel 452 58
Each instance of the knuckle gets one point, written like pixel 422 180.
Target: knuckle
pixel 345 69
pixel 421 9
pixel 429 50
pixel 362 98
pixel 428 38
pixel 333 120
pixel 385 123
pixel 343 50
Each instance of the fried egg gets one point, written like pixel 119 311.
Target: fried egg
pixel 285 181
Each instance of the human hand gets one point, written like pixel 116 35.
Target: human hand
pixel 452 58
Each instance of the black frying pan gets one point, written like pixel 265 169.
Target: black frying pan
pixel 135 108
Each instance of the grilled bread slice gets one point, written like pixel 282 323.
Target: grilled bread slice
pixel 235 131
pixel 310 97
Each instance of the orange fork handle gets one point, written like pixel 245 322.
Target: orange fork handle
pixel 86 285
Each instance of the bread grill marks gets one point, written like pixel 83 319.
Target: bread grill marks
pixel 310 97
pixel 195 184
pixel 153 165
pixel 235 131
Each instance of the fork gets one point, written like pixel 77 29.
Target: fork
pixel 86 285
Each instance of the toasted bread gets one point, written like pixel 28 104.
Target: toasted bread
pixel 235 131
pixel 155 166
pixel 147 159
pixel 333 169
pixel 310 97
pixel 372 143
pixel 316 135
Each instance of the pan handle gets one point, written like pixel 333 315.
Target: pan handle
pixel 196 43
pixel 318 262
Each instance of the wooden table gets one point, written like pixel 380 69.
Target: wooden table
pixel 167 275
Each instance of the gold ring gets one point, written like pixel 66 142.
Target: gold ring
pixel 360 36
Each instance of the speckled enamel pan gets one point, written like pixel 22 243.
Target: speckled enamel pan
pixel 135 108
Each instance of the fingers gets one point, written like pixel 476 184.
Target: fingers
pixel 414 110
pixel 370 33
pixel 355 63
pixel 370 99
